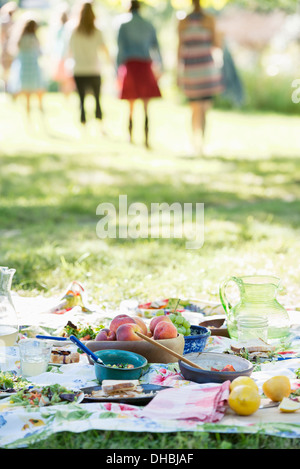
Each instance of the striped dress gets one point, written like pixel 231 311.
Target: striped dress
pixel 200 78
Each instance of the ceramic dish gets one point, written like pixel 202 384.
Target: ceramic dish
pixel 25 400
pixel 210 360
pixel 216 326
pixel 117 357
pixel 149 391
pixel 6 394
pixel 196 342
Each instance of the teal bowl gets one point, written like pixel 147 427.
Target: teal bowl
pixel 117 357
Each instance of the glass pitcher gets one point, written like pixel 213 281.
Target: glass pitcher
pixel 9 327
pixel 257 298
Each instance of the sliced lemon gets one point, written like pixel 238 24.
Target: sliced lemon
pixel 288 405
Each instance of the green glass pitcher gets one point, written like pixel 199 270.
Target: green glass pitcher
pixel 257 298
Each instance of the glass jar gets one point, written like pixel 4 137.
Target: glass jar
pixel 252 327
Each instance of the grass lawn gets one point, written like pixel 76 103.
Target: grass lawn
pixel 54 175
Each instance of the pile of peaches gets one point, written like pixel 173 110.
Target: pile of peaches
pixel 124 327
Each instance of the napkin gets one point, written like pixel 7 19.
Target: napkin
pixel 195 402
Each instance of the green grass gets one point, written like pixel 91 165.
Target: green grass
pixel 54 174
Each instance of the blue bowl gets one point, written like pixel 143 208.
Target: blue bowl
pixel 116 357
pixel 196 342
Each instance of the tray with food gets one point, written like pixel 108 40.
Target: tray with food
pixel 61 337
pixel 122 391
pixel 254 350
pixel 10 383
pixel 40 396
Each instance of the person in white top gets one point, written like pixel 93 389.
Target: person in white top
pixel 85 43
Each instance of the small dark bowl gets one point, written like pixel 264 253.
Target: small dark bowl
pixel 115 357
pixel 216 325
pixel 196 342
pixel 216 360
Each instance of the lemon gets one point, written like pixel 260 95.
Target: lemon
pixel 243 380
pixel 244 399
pixel 277 387
pixel 288 405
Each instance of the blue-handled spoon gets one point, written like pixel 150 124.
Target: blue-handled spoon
pixel 51 337
pixel 86 350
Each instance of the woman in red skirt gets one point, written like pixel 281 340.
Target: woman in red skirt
pixel 137 49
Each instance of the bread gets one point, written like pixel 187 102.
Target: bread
pixel 112 386
pixel 254 345
pixel 63 356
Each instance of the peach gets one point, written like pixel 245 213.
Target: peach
pixel 119 320
pixel 165 330
pixel 142 324
pixel 106 334
pixel 128 332
pixel 156 320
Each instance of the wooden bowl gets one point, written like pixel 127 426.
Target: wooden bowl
pixel 150 352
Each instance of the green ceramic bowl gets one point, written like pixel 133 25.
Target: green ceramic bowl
pixel 117 357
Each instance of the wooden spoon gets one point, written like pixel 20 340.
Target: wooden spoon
pixel 175 354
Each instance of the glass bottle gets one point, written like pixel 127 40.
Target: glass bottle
pixel 9 327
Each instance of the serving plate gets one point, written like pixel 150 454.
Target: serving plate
pixel 4 394
pixel 149 389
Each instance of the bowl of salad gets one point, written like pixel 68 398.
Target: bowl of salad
pixel 119 365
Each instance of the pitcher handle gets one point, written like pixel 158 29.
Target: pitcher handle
pixel 222 292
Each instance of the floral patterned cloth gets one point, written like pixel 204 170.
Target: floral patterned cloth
pixel 20 426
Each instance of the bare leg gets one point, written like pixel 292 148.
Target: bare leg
pixel 199 111
pixel 40 95
pixel 27 95
pixel 206 105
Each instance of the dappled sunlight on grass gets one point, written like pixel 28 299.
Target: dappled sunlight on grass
pixel 54 174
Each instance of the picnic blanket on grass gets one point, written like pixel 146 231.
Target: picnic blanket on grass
pixel 21 426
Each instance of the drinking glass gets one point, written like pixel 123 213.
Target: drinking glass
pixel 34 356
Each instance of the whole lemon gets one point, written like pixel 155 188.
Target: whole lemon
pixel 243 380
pixel 277 387
pixel 244 399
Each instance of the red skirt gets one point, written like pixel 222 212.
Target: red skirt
pixel 137 80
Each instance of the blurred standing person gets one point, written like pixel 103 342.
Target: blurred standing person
pixel 85 44
pixel 26 76
pixel 61 70
pixel 137 42
pixel 7 13
pixel 198 74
